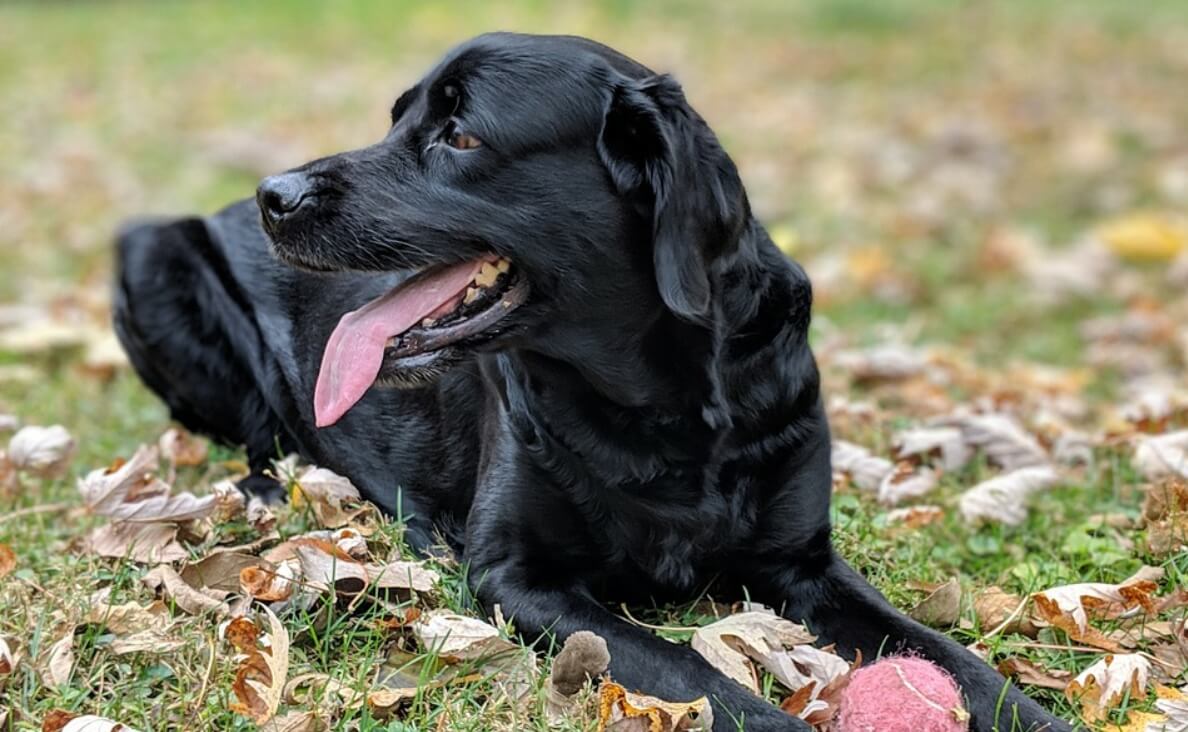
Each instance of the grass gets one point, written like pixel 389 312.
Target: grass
pixel 109 110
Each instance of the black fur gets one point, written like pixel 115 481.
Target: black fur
pixel 647 424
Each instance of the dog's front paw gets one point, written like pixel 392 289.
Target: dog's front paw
pixel 263 487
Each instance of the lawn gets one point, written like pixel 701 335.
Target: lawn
pixel 990 197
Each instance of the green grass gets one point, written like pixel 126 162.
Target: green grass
pixel 107 111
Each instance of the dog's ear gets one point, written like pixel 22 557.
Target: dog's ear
pixel 660 152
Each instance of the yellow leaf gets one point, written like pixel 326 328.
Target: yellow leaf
pixel 1145 237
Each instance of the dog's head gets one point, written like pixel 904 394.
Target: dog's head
pixel 547 188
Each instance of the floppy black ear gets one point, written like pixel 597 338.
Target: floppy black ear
pixel 659 150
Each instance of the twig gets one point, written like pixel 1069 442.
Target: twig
pixel 669 628
pixel 34 510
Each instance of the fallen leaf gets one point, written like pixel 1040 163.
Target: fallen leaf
pixel 8 659
pixel 43 451
pixel 1106 683
pixel 333 498
pixel 8 560
pixel 58 661
pixel 261 674
pixel 230 501
pixel 127 618
pixel 1069 607
pixel 130 492
pixel 1000 438
pixel 62 721
pixel 947 443
pixel 1145 237
pixel 1175 710
pixel 730 644
pixel 221 570
pixel 193 600
pixel 1165 511
pixel 906 481
pixel 1026 672
pixel 942 608
pixel 181 448
pixel 295 722
pixel 915 517
pixel 620 710
pixel 1002 499
pixel 1162 456
pixel 856 462
pixel 996 608
pixel 456 638
pixel 272 583
pixel 143 543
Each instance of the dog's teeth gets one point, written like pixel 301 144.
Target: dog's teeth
pixel 503 266
pixel 487 275
pixel 428 323
pixel 472 294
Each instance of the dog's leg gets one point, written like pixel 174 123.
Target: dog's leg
pixel 640 660
pixel 189 336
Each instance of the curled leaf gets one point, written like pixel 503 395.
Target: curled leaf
pixel 1105 684
pixel 619 709
pixel 1004 499
pixel 260 677
pixel 42 451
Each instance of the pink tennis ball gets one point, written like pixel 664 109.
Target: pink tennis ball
pixel 902 694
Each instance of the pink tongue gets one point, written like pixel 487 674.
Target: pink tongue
pixel 355 350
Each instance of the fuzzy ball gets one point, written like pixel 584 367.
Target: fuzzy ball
pixel 584 656
pixel 902 694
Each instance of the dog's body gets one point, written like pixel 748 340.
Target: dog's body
pixel 644 423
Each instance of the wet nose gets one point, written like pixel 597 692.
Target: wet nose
pixel 280 195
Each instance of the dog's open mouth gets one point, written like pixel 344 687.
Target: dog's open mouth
pixel 438 308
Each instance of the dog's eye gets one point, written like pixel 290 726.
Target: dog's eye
pixel 458 139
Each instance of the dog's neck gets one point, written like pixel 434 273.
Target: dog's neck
pixel 745 369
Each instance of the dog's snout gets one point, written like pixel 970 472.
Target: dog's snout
pixel 280 195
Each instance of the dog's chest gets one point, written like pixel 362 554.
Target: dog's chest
pixel 672 534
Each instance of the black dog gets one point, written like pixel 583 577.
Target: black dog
pixel 603 386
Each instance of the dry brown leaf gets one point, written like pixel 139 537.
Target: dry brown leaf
pixel 271 583
pixel 193 600
pixel 906 481
pixel 1003 499
pixel 882 363
pixel 333 498
pixel 221 570
pixel 130 492
pixel 1165 510
pixel 8 560
pixel 1162 456
pixel 57 663
pixel 403 576
pixel 731 643
pixel 1000 438
pixel 915 517
pixel 259 515
pixel 43 451
pixel 942 607
pixel 181 448
pixel 948 443
pixel 260 677
pixel 996 608
pixel 620 710
pixel 143 543
pixel 62 721
pixel 1026 672
pixel 148 641
pixel 1113 678
pixel 127 618
pixel 295 722
pixel 8 659
pixel 856 462
pixel 1070 607
pixel 230 502
pixel 1174 708
pixel 455 638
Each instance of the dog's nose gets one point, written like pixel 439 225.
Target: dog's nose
pixel 280 195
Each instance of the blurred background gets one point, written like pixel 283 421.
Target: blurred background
pixel 989 196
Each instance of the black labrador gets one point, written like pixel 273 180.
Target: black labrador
pixel 596 386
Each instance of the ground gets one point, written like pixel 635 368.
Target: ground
pixel 989 198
